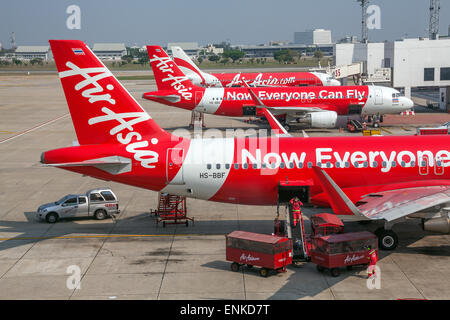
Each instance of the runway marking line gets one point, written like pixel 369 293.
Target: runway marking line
pixel 386 130
pixel 104 236
pixel 34 128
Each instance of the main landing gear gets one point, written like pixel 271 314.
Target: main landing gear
pixel 387 239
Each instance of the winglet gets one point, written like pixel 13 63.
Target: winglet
pixel 255 98
pixel 275 125
pixel 339 201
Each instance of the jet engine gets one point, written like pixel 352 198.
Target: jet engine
pixel 323 119
pixel 439 224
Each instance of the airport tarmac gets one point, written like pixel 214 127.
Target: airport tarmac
pixel 133 258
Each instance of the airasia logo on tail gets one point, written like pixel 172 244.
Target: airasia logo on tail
pixel 165 64
pixel 94 92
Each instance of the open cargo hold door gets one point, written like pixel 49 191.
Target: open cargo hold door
pixel 290 189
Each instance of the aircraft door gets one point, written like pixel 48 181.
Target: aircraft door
pixel 174 166
pixel 438 167
pixel 198 97
pixel 424 165
pixel 378 96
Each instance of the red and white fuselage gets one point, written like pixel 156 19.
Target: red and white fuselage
pixel 119 141
pixel 175 89
pixel 254 79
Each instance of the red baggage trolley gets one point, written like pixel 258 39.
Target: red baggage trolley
pixel 323 224
pixel 261 250
pixel 342 250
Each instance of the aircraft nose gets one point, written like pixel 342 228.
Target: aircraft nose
pixel 406 103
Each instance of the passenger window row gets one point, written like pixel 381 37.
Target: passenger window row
pixel 346 164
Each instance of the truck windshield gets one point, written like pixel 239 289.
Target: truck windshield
pixel 62 199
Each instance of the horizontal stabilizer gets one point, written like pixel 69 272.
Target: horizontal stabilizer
pixel 113 164
pixel 173 98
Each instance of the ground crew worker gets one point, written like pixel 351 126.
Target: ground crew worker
pixel 296 209
pixel 364 125
pixel 372 262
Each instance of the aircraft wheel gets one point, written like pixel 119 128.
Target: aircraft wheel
pixel 376 124
pixel 369 119
pixel 381 118
pixel 387 239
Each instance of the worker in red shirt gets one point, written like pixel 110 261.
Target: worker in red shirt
pixel 296 209
pixel 372 261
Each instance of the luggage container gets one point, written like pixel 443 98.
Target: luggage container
pixel 334 251
pixel 323 224
pixel 271 253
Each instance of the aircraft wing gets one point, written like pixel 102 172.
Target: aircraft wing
pixel 298 109
pixel 394 204
pixel 388 205
pixel 255 98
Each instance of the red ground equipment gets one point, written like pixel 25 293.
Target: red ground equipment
pixel 171 210
pixel 323 224
pixel 261 250
pixel 342 250
pixel 428 131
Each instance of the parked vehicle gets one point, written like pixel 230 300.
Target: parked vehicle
pixel 97 203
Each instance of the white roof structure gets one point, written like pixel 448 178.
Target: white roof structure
pixel 109 47
pixel 183 45
pixel 32 49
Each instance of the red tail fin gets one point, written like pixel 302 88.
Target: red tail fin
pixel 167 74
pixel 102 110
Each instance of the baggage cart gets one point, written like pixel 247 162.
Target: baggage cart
pixel 270 253
pixel 334 251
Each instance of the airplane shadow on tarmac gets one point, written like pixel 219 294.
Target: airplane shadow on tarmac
pixel 33 231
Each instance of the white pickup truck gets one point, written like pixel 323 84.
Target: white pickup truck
pixel 98 203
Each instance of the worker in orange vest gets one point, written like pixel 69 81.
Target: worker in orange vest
pixel 296 209
pixel 372 261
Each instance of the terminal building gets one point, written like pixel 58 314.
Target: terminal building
pixel 109 51
pixel 268 51
pixel 191 48
pixel 316 36
pixel 33 52
pixel 413 63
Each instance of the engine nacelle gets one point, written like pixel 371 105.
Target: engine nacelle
pixel 439 224
pixel 324 119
